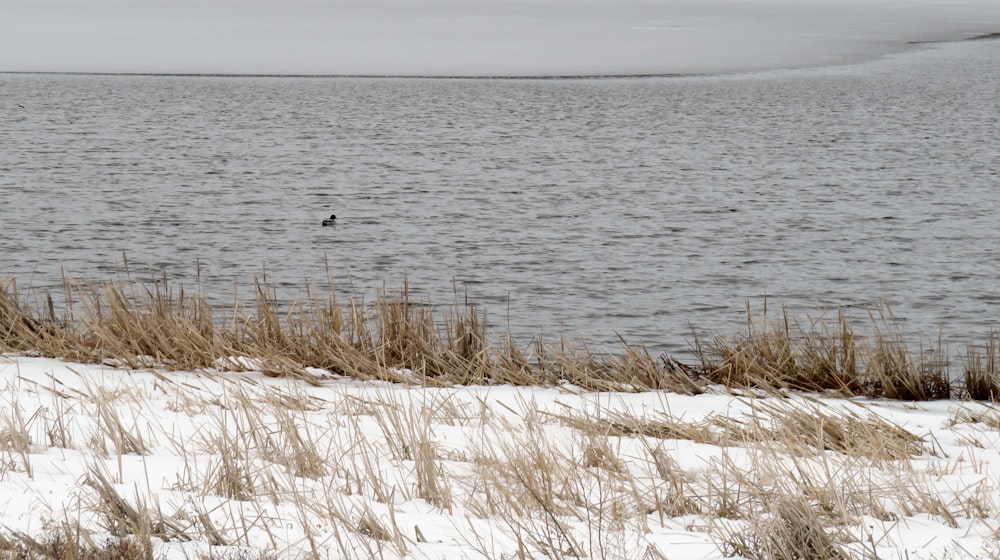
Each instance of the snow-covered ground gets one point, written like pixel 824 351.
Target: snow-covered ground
pixel 470 37
pixel 231 463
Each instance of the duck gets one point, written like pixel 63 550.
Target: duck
pixel 330 221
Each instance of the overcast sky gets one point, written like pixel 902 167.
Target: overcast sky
pixel 469 37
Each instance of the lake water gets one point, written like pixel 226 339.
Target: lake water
pixel 577 207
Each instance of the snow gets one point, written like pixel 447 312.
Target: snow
pixel 348 480
pixel 470 37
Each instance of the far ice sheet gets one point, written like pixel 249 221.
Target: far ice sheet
pixel 470 37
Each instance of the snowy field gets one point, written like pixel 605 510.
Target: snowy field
pixel 470 37
pixel 238 465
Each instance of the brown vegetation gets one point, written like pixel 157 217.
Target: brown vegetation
pixel 398 340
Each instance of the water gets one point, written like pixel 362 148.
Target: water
pixel 588 208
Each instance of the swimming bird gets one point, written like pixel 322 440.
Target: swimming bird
pixel 330 221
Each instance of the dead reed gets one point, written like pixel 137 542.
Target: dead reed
pixel 397 339
pixel 782 355
pixel 792 529
pixel 982 370
pixel 393 339
pixel 70 543
pixel 829 356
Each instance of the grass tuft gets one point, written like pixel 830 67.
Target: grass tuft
pixel 982 371
pixel 792 529
pixel 783 355
pixel 68 543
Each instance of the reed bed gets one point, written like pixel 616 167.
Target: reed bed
pixel 400 340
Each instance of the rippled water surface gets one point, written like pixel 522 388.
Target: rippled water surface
pixel 578 207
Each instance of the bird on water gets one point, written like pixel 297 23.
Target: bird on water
pixel 330 221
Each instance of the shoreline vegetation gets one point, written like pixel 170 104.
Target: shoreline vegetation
pixel 156 324
pixel 221 436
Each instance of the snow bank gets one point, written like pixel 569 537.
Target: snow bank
pixel 245 466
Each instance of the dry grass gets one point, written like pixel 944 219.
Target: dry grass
pixel 822 428
pixel 829 357
pixel 987 415
pixel 122 518
pixel 814 470
pixel 399 340
pixel 394 339
pixel 806 429
pixel 894 373
pixel 982 370
pixel 791 529
pixel 783 355
pixel 15 441
pixel 68 543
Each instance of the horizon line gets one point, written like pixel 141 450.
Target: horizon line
pixel 612 76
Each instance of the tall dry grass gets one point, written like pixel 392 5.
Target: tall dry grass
pixel 394 339
pixel 397 339
pixel 831 356
pixel 784 355
pixel 982 370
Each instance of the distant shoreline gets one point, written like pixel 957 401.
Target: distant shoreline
pixel 373 76
pixel 390 76
pixel 980 37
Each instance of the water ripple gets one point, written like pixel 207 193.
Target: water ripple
pixel 589 207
